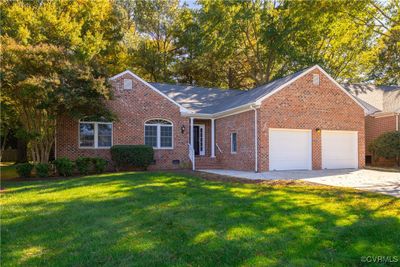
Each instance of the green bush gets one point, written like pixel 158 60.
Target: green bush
pixel 64 166
pixel 140 156
pixel 42 169
pixel 83 164
pixel 24 169
pixel 99 164
pixel 387 146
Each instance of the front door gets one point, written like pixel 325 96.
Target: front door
pixel 198 137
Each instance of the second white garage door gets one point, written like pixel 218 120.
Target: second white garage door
pixel 339 149
pixel 289 149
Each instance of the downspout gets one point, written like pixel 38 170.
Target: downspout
pixel 255 139
pixel 397 122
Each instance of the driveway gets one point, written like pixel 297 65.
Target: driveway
pixel 370 180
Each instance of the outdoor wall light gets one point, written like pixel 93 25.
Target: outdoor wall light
pixel 318 130
pixel 183 129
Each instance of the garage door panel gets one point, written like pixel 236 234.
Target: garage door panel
pixel 339 149
pixel 289 149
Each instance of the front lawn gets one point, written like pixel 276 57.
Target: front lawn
pixel 155 218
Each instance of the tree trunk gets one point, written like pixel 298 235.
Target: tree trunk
pixel 3 144
pixel 22 151
pixel 41 151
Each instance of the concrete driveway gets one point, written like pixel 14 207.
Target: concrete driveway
pixel 370 180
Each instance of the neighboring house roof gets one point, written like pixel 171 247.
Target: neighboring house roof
pixel 370 108
pixel 377 99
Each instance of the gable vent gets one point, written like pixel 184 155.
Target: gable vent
pixel 316 79
pixel 127 84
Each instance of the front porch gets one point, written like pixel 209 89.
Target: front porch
pixel 203 150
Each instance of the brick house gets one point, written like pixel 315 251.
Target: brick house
pixel 383 109
pixel 302 121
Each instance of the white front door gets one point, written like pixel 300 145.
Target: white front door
pixel 339 149
pixel 289 149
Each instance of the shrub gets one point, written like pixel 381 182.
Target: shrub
pixel 42 169
pixel 83 165
pixel 64 166
pixel 99 164
pixel 387 146
pixel 140 156
pixel 24 169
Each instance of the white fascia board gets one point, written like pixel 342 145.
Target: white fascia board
pixel 383 114
pixel 226 113
pixel 181 108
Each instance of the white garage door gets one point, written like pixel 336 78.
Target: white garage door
pixel 339 149
pixel 289 149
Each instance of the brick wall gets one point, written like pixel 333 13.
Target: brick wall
pixel 374 127
pixel 243 125
pixel 302 105
pixel 133 108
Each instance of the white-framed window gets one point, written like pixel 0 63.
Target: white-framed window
pixel 127 84
pixel 316 79
pixel 233 143
pixel 95 134
pixel 158 133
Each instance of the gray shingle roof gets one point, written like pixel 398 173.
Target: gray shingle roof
pixel 214 100
pixel 376 98
pixel 370 108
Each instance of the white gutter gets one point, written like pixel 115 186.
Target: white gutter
pixel 221 114
pixel 255 138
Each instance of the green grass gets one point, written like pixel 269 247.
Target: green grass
pixel 164 219
pixel 7 170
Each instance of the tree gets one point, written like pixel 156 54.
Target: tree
pixel 43 82
pixel 154 21
pixel 242 44
pixel 387 146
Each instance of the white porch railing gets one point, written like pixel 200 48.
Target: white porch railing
pixel 219 149
pixel 192 156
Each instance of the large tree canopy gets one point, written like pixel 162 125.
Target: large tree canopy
pixel 41 82
pixel 57 55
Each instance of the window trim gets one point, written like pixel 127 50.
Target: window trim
pixel 159 133
pixel 234 152
pixel 96 137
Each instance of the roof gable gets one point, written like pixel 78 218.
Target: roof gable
pixel 182 109
pixel 303 73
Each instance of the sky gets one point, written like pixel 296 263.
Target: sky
pixel 191 3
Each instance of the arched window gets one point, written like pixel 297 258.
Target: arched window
pixel 158 133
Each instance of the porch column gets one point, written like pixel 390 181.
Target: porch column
pixel 213 138
pixel 191 132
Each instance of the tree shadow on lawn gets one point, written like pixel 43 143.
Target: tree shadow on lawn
pixel 158 219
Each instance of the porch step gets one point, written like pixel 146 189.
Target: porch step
pixel 208 163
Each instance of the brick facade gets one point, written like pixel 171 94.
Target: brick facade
pixel 133 108
pixel 302 105
pixel 243 125
pixel 376 126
